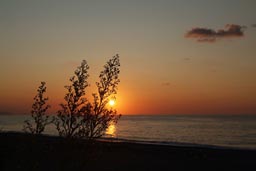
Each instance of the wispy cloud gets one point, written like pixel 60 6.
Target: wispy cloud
pixel 5 113
pixel 210 35
pixel 187 59
pixel 165 84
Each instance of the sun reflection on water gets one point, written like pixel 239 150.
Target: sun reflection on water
pixel 111 131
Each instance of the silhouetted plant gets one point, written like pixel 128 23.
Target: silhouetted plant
pixel 97 116
pixel 69 119
pixel 38 112
pixel 80 118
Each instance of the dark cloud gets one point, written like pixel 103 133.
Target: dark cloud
pixel 187 59
pixel 254 25
pixel 5 113
pixel 210 35
pixel 166 84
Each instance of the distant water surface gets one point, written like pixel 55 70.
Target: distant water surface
pixel 231 131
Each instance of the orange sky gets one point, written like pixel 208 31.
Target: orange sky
pixel 162 70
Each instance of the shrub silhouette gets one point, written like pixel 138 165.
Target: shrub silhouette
pixel 38 113
pixel 97 116
pixel 69 120
pixel 80 118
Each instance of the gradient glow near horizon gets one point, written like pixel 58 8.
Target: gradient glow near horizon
pixel 162 70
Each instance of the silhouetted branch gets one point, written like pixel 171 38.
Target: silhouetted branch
pixel 69 118
pixel 80 118
pixel 38 112
pixel 100 117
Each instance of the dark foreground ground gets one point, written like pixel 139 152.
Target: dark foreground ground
pixel 43 153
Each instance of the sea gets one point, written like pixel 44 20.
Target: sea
pixel 238 131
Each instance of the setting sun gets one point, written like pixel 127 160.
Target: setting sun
pixel 112 102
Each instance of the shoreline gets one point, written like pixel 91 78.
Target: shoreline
pixel 175 144
pixel 20 151
pixel 193 132
pixel 151 142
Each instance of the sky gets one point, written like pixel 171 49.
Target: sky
pixel 177 56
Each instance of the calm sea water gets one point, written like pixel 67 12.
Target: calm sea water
pixel 231 131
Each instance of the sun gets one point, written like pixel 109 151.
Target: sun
pixel 112 102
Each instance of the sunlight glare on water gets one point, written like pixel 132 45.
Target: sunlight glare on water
pixel 111 131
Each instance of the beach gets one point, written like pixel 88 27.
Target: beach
pixel 21 151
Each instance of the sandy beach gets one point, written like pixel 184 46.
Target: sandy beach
pixel 28 152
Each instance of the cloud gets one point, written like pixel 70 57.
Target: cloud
pixel 5 113
pixel 166 84
pixel 254 25
pixel 187 59
pixel 210 35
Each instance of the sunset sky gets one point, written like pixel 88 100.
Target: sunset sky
pixel 177 56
